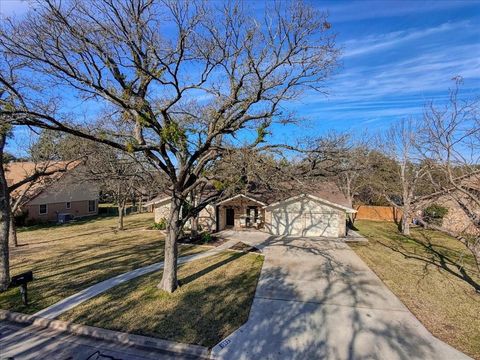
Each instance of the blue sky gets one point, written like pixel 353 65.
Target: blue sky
pixel 396 56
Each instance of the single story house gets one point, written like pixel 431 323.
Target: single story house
pixel 318 212
pixel 457 220
pixel 54 198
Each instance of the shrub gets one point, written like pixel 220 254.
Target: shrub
pixel 434 214
pixel 161 225
pixel 20 218
pixel 206 237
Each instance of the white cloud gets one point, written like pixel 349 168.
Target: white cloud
pixel 416 75
pixel 378 42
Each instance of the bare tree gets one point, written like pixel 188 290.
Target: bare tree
pixel 8 94
pixel 347 160
pixel 176 96
pixel 45 166
pixel 451 145
pixel 4 216
pixel 120 175
pixel 400 145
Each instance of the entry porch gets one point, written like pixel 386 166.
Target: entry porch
pixel 240 213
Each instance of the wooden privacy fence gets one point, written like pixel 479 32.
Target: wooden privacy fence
pixel 378 213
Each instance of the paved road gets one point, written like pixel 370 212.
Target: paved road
pixel 29 342
pixel 318 300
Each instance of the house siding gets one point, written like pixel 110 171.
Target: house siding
pixel 77 209
pixel 206 217
pixel 456 220
pixel 161 211
pixel 314 216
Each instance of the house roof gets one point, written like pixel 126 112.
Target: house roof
pixel 241 196
pixel 325 192
pixel 315 198
pixel 158 200
pixel 15 172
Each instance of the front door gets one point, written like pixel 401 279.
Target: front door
pixel 230 217
pixel 252 216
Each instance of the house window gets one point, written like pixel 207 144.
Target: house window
pixel 91 205
pixel 43 209
pixel 68 205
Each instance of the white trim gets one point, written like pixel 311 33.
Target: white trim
pixel 315 198
pixel 241 195
pixel 46 209
pixel 156 201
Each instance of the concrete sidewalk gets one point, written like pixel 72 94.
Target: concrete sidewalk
pixel 74 300
pixel 316 299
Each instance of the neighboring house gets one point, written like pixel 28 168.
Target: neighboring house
pixel 55 197
pixel 320 212
pixel 456 220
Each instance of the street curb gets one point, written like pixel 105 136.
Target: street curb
pixel 196 351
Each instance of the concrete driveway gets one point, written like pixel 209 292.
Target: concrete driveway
pixel 316 299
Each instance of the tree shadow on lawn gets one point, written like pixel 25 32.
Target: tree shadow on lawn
pixel 216 297
pixel 74 236
pixel 212 301
pixel 90 226
pixel 67 272
pixel 188 279
pixel 426 251
pixel 60 277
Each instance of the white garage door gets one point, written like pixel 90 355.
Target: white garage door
pixel 305 224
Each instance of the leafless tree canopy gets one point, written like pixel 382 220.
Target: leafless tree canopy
pixel 178 79
pixel 450 142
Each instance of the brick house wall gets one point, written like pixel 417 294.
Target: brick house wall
pixel 77 209
pixel 456 220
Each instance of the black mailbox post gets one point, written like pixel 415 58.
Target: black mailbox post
pixel 21 280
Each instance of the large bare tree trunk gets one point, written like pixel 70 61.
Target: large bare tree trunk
pixel 121 212
pixel 169 280
pixel 12 236
pixel 404 225
pixel 4 220
pixel 194 226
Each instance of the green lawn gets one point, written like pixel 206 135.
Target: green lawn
pixel 433 274
pixel 214 299
pixel 66 259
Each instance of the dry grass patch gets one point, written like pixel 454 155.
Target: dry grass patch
pixel 213 300
pixel 66 259
pixel 433 274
